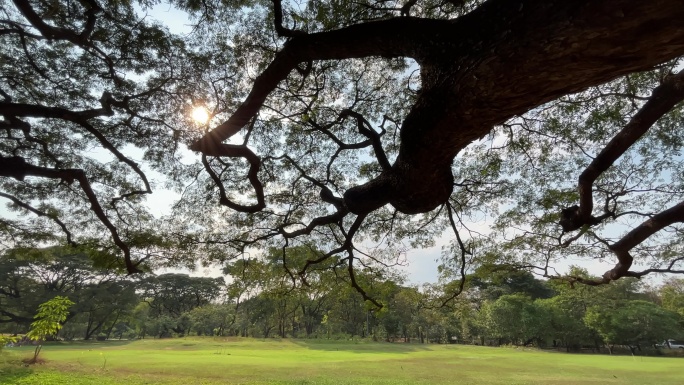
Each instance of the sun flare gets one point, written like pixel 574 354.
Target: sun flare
pixel 200 115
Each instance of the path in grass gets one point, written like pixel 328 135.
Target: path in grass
pixel 247 361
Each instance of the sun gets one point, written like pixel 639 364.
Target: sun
pixel 200 115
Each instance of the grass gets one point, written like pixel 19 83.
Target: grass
pixel 249 361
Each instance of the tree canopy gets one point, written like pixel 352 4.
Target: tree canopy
pixel 363 128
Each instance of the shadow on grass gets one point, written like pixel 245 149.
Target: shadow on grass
pixel 58 345
pixel 89 343
pixel 361 346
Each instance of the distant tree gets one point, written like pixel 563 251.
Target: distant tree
pixel 105 305
pixel 212 319
pixel 173 295
pixel 672 296
pixel 634 323
pixel 492 282
pixel 515 318
pixel 31 276
pixel 565 326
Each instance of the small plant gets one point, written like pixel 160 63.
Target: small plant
pixel 47 322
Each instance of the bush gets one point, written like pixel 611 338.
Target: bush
pixel 6 340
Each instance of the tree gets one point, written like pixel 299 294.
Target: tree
pixel 104 305
pixel 634 324
pixel 672 296
pixel 48 321
pixel 337 142
pixel 515 318
pixel 31 276
pixel 461 98
pixel 212 319
pixel 565 322
pixel 171 296
pixel 501 281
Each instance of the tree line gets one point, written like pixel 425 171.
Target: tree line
pixel 258 298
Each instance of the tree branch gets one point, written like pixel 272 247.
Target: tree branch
pixel 17 168
pixel 237 151
pixel 663 99
pixel 387 38
pixel 80 118
pixel 51 32
pixel 40 213
pixel 278 21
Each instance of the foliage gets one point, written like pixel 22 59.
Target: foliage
pixel 29 277
pixel 634 324
pixel 5 340
pixel 515 318
pixel 51 314
pixel 171 296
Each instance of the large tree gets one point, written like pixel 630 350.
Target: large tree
pixel 349 135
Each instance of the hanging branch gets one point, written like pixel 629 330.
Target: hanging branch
pixel 40 213
pixel 17 168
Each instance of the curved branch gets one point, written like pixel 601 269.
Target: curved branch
pixel 464 252
pixel 238 151
pixel 51 32
pixel 17 168
pixel 388 38
pixel 365 129
pixel 342 145
pixel 638 235
pixel 278 21
pixel 40 213
pixel 663 99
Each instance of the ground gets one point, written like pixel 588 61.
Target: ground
pixel 248 361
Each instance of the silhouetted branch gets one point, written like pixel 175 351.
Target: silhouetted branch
pixel 663 99
pixel 17 168
pixel 40 213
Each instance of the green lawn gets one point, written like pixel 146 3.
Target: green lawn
pixel 248 361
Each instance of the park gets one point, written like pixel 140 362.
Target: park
pixel 327 191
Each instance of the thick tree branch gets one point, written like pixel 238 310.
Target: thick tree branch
pixel 663 99
pixel 555 47
pixel 635 237
pixel 51 32
pixel 278 21
pixel 388 38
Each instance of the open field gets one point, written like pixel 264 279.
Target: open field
pixel 248 361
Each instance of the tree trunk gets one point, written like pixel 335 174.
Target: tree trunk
pixel 109 331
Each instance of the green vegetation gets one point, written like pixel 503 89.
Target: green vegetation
pixel 238 360
pixel 49 319
pixel 498 306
